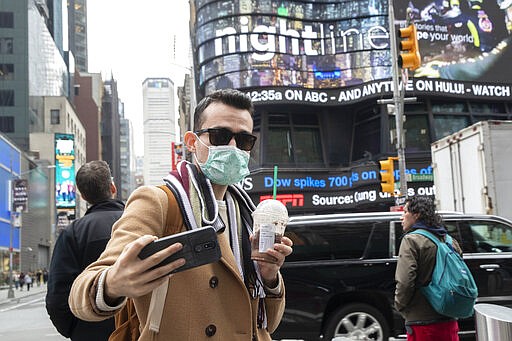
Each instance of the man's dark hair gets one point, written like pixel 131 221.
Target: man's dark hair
pixel 426 210
pixel 93 181
pixel 231 97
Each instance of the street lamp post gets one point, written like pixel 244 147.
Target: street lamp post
pixel 10 292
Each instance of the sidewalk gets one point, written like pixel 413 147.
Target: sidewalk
pixel 19 294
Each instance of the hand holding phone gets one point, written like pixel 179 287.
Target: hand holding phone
pixel 200 247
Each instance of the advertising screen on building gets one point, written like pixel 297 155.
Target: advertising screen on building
pixel 354 188
pixel 65 189
pixel 466 40
pixel 281 50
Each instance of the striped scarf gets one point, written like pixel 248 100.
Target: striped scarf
pixel 198 204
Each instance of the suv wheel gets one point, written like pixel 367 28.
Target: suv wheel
pixel 357 322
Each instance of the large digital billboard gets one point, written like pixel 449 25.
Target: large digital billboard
pixel 317 191
pixel 65 189
pixel 466 40
pixel 281 50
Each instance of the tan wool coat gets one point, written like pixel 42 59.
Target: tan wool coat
pixel 210 302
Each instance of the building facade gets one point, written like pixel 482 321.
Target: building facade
pixel 35 83
pixel 32 67
pixel 185 106
pixel 111 130
pixel 316 72
pixel 87 99
pixel 159 128
pixel 77 36
pixel 64 143
pixel 139 171
pixel 29 236
pixel 127 158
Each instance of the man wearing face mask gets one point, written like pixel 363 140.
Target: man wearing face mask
pixel 232 299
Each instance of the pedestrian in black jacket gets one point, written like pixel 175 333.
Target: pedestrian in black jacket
pixel 80 244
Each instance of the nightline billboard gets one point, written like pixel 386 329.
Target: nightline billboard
pixel 275 45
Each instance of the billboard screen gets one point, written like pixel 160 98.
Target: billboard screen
pixel 280 45
pixel 315 191
pixel 65 189
pixel 464 41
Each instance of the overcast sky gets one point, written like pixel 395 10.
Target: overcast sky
pixel 133 40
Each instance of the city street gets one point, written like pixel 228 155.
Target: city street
pixel 24 318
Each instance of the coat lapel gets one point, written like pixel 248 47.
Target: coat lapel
pixel 227 255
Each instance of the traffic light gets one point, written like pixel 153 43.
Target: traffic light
pixel 410 58
pixel 387 176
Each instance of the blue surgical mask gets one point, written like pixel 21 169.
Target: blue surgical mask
pixel 226 165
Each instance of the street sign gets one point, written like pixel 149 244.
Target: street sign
pixel 16 219
pixel 400 200
pixel 20 195
pixel 421 177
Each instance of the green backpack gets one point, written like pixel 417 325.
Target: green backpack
pixel 452 291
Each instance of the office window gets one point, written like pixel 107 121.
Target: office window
pixel 55 116
pixel 449 107
pixel 6 45
pixel 6 71
pixel 307 145
pixel 417 136
pixel 7 124
pixel 448 124
pixel 366 134
pixel 293 139
pixel 6 98
pixel 487 108
pixel 417 133
pixel 6 20
pixel 279 146
pixel 414 107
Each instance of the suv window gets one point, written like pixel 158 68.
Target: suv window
pixel 462 235
pixel 352 240
pixel 478 236
pixel 489 236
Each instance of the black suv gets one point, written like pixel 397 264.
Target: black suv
pixel 340 277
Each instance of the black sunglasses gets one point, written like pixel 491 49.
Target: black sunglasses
pixel 222 136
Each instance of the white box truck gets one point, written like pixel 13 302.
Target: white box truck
pixel 473 169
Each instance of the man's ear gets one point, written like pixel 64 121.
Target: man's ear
pixel 113 189
pixel 190 140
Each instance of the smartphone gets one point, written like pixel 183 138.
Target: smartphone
pixel 200 246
